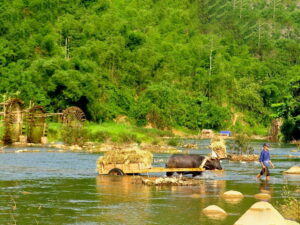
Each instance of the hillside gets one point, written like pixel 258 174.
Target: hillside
pixel 187 63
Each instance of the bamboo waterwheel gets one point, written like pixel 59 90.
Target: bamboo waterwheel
pixel 36 124
pixel 73 117
pixel 13 120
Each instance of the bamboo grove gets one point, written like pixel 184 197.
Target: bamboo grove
pixel 220 64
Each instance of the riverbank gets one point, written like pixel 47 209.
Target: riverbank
pixel 112 132
pixel 115 135
pixel 127 133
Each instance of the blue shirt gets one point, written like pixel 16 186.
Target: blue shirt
pixel 264 157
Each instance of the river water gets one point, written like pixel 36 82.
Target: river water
pixel 64 188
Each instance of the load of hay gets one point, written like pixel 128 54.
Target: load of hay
pixel 126 157
pixel 219 147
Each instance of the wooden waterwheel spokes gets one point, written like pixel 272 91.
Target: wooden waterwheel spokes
pixel 73 117
pixel 13 120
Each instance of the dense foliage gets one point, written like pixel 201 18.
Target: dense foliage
pixel 192 63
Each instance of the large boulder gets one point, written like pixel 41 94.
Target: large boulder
pixel 293 170
pixel 291 222
pixel 214 212
pixel 262 213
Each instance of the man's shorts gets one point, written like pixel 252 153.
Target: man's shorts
pixel 265 170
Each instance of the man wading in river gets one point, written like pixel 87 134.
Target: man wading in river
pixel 265 162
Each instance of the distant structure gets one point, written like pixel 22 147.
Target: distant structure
pixel 30 125
pixel 226 133
pixel 13 120
pixel 207 133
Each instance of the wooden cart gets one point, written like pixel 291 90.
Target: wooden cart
pixel 138 168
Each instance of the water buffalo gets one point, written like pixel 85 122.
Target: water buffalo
pixel 191 161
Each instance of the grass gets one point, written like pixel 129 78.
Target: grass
pixel 290 208
pixel 54 131
pixel 108 131
pixel 245 128
pixel 126 133
pixel 174 142
pixel 187 131
pixel 123 133
pixel 1 129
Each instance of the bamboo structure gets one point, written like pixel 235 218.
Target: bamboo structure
pixel 31 124
pixel 36 120
pixel 13 120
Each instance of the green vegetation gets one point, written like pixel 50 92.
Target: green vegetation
pixel 167 63
pixel 290 207
pixel 54 131
pixel 241 145
pixel 174 142
pixel 289 109
pixel 110 131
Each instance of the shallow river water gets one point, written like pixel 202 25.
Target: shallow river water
pixel 64 188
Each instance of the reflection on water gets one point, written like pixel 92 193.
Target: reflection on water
pixel 140 204
pixel 234 201
pixel 119 200
pixel 264 187
pixel 127 196
pixel 63 188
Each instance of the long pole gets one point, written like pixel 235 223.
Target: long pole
pixel 210 67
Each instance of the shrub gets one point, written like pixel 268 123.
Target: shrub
pixel 53 133
pixel 74 135
pixel 164 105
pixel 290 208
pixel 128 138
pixel 214 116
pixel 174 142
pixel 241 144
pixel 291 128
pixel 99 136
pixel 155 141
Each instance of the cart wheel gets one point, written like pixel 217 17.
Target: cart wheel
pixel 116 172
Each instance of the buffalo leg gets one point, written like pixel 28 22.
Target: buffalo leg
pixel 169 174
pixel 197 174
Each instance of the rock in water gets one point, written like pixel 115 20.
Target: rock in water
pixel 262 213
pixel 233 197
pixel 195 196
pixel 262 196
pixel 232 194
pixel 293 170
pixel 215 212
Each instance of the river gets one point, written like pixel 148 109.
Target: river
pixel 64 188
